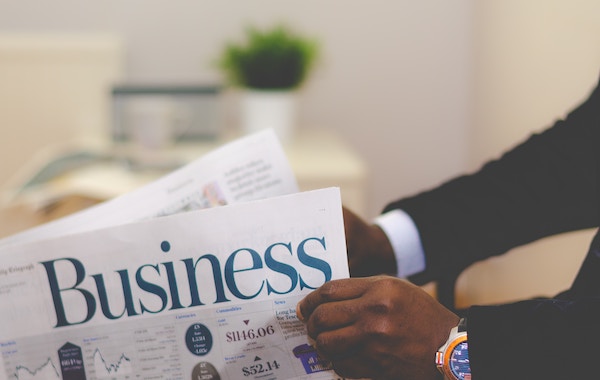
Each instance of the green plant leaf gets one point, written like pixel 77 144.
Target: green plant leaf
pixel 271 59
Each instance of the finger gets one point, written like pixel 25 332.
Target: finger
pixel 339 344
pixel 335 290
pixel 332 315
pixel 345 349
pixel 357 367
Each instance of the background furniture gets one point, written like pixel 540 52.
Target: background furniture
pixel 318 158
pixel 54 93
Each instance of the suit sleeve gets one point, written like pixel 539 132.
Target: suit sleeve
pixel 548 339
pixel 544 186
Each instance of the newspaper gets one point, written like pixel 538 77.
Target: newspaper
pixel 253 167
pixel 136 288
pixel 207 294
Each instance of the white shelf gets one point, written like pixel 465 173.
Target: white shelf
pixel 318 158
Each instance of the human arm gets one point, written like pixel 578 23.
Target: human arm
pixel 386 328
pixel 544 186
pixel 369 249
pixel 547 185
pixel 390 246
pixel 548 339
pixel 377 327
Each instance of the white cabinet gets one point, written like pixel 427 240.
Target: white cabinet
pixel 318 158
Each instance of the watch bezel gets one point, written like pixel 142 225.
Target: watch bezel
pixel 458 339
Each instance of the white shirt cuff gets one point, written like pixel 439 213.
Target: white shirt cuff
pixel 406 242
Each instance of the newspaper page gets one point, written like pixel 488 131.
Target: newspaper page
pixel 252 167
pixel 208 294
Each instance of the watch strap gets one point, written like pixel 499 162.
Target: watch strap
pixel 462 325
pixel 458 335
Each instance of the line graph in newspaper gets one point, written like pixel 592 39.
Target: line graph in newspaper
pixel 207 294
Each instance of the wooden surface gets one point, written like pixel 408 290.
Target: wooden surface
pixel 19 217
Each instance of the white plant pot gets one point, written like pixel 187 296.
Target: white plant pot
pixel 275 109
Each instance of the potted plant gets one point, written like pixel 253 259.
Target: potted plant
pixel 270 65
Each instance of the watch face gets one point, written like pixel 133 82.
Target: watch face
pixel 459 362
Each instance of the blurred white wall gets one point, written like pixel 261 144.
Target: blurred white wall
pixel 534 61
pixel 393 78
pixel 423 90
pixel 53 97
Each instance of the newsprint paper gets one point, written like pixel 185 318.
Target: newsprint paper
pixel 253 167
pixel 204 294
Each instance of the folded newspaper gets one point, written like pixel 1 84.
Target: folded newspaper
pixel 158 284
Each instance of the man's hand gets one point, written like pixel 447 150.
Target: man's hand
pixel 378 327
pixel 369 250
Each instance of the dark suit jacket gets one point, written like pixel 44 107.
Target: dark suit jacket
pixel 544 186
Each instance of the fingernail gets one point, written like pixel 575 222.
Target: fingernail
pixel 299 313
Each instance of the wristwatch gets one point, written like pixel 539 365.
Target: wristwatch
pixel 452 359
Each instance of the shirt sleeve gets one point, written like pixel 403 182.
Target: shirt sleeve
pixel 406 243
